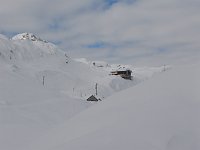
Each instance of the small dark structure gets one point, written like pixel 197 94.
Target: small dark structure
pixel 93 98
pixel 126 74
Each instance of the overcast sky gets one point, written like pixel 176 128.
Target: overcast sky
pixel 128 31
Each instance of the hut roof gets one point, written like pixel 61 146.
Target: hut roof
pixel 92 98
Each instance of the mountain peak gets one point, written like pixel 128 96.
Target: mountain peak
pixel 27 36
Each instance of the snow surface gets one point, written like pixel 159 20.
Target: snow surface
pixel 29 109
pixel 159 114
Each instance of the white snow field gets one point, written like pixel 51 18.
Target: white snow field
pixel 159 114
pixel 43 103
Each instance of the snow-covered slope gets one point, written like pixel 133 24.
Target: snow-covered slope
pixel 41 87
pixel 159 114
pixel 27 108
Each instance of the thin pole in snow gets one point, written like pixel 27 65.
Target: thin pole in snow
pixel 43 80
pixel 164 68
pixel 96 88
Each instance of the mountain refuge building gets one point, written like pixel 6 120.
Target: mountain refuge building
pixel 126 74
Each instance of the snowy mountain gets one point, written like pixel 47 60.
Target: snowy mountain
pixel 27 36
pixel 41 87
